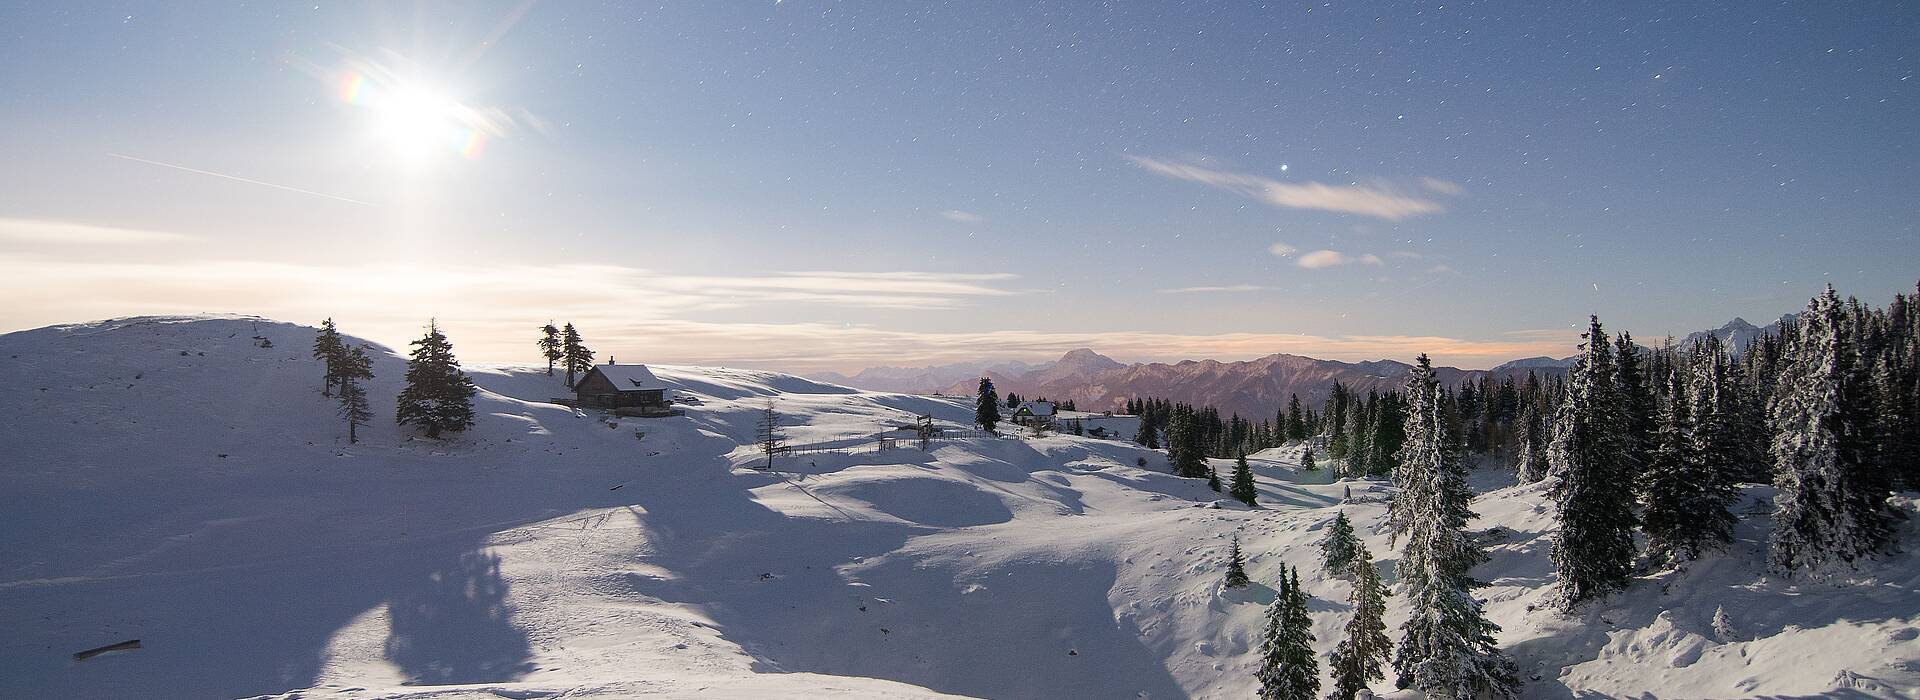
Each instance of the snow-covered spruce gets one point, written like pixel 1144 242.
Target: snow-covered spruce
pixel 1592 478
pixel 1339 547
pixel 1689 485
pixel 1447 647
pixel 1289 670
pixel 1829 508
pixel 574 354
pixel 351 377
pixel 986 406
pixel 1356 660
pixel 1236 566
pixel 439 396
pixel 1243 489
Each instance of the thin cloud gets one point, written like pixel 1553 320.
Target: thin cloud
pixel 811 346
pixel 889 290
pixel 1209 290
pixel 52 289
pixel 1347 199
pixel 1282 249
pixel 491 312
pixel 1321 259
pixel 1446 187
pixel 965 217
pixel 72 233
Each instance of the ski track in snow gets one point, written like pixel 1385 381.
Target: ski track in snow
pixel 170 480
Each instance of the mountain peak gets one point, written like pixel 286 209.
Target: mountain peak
pixel 1087 355
pixel 1083 362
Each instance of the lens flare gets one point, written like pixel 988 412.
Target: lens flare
pixel 472 144
pixel 353 88
pixel 413 120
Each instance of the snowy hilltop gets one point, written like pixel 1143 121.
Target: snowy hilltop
pixel 183 482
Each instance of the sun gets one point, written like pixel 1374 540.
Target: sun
pixel 413 121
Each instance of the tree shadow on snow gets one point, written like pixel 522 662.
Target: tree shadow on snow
pixel 454 626
pixel 835 596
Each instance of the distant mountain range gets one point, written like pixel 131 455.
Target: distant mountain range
pixel 1097 382
pixel 1252 388
pixel 920 380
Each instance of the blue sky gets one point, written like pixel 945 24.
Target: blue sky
pixel 834 185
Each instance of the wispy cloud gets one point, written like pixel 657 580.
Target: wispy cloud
pixel 965 217
pixel 806 346
pixel 893 290
pixel 622 290
pixel 1208 290
pixel 1364 200
pixel 1320 259
pixel 491 312
pixel 1446 187
pixel 1282 249
pixel 68 232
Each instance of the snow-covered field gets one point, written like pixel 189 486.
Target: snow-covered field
pixel 170 480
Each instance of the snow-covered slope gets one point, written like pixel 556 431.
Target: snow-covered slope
pixel 171 480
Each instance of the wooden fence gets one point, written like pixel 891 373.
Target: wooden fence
pixel 883 442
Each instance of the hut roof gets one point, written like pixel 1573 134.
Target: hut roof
pixel 1037 408
pixel 630 377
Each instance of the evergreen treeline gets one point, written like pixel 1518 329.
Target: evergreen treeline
pixel 1660 440
pixel 1363 431
pixel 1633 441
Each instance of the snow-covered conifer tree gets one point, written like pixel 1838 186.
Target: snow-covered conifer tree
pixel 986 406
pixel 1236 566
pixel 356 367
pixel 1637 410
pixel 1387 437
pixel 1242 489
pixel 1183 444
pixel 1339 546
pixel 331 351
pixel 1296 419
pixel 1531 462
pixel 574 353
pixel 1686 498
pixel 551 346
pixel 1825 509
pixel 1289 670
pixel 438 396
pixel 1593 550
pixel 1446 647
pixel 1356 659
pixel 1897 447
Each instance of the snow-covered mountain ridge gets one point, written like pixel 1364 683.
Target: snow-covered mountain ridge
pixel 172 480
